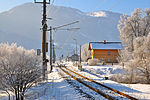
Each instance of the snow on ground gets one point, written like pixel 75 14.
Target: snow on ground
pixel 143 90
pixel 102 70
pixel 59 89
pixel 3 95
pixel 56 88
pixel 140 91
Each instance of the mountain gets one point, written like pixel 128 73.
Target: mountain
pixel 22 24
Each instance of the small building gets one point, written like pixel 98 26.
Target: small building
pixel 74 57
pixel 105 51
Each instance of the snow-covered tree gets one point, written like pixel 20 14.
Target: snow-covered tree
pixel 136 25
pixel 85 53
pixel 141 57
pixel 19 69
pixel 135 35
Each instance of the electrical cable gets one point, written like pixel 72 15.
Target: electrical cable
pixel 115 5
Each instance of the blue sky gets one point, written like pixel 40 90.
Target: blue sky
pixel 121 6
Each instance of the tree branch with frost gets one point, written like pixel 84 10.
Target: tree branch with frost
pixel 21 69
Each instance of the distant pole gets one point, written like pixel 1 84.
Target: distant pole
pixel 54 55
pixel 76 44
pixel 51 67
pixel 80 65
pixel 76 48
pixel 80 54
pixel 44 29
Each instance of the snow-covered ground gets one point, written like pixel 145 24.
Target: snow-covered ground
pixel 56 88
pixel 59 89
pixel 140 91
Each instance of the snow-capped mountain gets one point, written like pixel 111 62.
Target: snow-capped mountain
pixel 97 14
pixel 22 24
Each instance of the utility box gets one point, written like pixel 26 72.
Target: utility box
pixel 38 52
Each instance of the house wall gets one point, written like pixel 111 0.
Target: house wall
pixel 108 56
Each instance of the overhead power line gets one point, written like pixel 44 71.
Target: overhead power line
pixel 55 28
pixel 51 45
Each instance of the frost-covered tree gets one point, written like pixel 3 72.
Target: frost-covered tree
pixel 136 25
pixel 85 53
pixel 134 33
pixel 141 57
pixel 19 69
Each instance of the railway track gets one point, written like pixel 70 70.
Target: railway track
pixel 99 88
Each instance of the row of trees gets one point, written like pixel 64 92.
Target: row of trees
pixel 19 69
pixel 135 35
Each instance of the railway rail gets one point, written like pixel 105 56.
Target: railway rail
pixel 107 95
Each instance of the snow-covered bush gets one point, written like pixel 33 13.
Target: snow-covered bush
pixel 85 53
pixel 135 35
pixel 92 62
pixel 19 69
pixel 121 78
pixel 126 78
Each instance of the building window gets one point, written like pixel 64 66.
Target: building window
pixel 108 52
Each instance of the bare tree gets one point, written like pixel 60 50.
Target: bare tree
pixel 19 69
